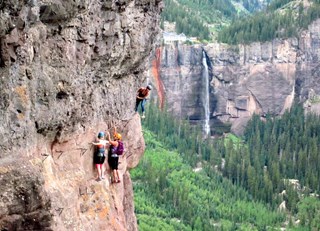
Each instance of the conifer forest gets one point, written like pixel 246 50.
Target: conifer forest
pixel 185 182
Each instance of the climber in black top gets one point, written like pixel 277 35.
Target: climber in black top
pixel 99 155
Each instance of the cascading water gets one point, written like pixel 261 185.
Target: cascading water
pixel 206 103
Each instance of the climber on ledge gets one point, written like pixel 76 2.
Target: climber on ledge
pixel 99 155
pixel 113 155
pixel 142 96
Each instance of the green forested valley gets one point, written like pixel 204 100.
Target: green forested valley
pixel 200 17
pixel 235 22
pixel 185 182
pixel 281 19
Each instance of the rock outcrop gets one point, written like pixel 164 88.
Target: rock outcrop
pixel 69 69
pixel 257 78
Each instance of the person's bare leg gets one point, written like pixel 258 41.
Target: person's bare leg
pixel 117 174
pixel 102 171
pixel 114 173
pixel 110 173
pixel 99 172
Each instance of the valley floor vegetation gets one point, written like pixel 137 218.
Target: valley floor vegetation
pixel 185 182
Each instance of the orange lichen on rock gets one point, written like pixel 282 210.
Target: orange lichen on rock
pixel 20 116
pixel 156 65
pixel 22 92
pixel 104 212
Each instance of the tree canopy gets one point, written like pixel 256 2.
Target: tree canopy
pixel 191 183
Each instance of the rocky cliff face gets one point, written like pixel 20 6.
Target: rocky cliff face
pixel 68 70
pixel 180 72
pixel 257 78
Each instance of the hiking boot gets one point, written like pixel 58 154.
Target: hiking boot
pixel 143 116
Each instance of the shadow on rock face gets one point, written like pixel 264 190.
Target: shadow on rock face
pixel 23 205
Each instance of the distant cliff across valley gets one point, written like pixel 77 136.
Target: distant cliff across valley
pixel 257 78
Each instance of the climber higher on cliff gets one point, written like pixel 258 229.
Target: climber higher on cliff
pixel 113 155
pixel 99 155
pixel 142 96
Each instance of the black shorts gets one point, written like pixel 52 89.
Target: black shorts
pixel 98 159
pixel 113 162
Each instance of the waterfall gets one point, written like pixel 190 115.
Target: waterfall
pixel 206 103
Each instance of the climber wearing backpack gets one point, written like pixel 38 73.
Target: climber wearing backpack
pixel 115 150
pixel 99 154
pixel 142 96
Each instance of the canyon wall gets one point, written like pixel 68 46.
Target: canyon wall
pixel 181 74
pixel 245 79
pixel 69 69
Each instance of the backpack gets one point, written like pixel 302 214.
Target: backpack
pixel 120 148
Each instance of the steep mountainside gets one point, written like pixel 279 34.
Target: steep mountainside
pixel 194 17
pixel 251 5
pixel 286 18
pixel 69 69
pixel 245 79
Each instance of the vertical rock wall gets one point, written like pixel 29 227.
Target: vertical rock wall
pixel 180 77
pixel 69 69
pixel 266 77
